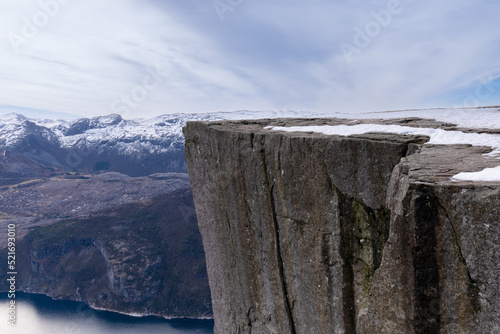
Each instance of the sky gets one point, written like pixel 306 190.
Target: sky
pixel 143 58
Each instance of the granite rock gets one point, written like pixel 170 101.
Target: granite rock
pixel 311 233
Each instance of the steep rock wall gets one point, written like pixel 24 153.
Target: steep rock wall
pixel 308 233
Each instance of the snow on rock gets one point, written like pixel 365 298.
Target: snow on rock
pixel 475 118
pixel 487 175
pixel 437 137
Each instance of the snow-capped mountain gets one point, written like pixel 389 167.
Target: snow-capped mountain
pixel 113 128
pixel 134 147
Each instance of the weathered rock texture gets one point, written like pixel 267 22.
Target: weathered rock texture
pixel 309 233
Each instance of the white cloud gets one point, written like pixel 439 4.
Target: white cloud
pixel 264 55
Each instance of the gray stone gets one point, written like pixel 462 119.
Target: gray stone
pixel 309 233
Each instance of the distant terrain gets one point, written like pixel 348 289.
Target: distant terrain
pixel 104 212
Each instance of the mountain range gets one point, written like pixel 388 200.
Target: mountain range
pixel 136 147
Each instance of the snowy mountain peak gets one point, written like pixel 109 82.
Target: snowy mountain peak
pixel 111 119
pixel 12 118
pixel 83 125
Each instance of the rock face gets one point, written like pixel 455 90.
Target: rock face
pixel 309 233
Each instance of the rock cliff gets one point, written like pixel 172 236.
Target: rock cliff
pixel 313 233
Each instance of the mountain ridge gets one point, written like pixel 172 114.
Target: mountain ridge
pixel 136 147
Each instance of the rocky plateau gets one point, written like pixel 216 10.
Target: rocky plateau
pixel 312 233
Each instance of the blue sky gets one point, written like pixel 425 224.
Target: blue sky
pixel 63 58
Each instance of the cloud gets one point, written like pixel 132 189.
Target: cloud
pixel 94 57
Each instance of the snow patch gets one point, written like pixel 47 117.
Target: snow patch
pixel 474 118
pixel 437 136
pixel 488 175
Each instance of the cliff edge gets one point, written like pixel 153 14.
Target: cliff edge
pixel 312 233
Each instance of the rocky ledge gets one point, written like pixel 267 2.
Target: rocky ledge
pixel 314 233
